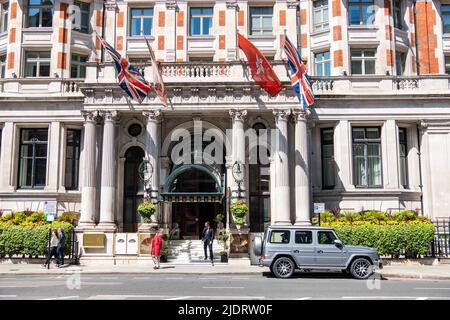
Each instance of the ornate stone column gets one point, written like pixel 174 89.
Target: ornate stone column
pixel 152 153
pixel 108 186
pixel 88 189
pixel 231 23
pixel 238 148
pixel 281 165
pixel 302 185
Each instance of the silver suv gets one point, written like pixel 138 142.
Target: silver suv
pixel 285 248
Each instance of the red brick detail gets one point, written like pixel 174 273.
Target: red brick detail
pixel 426 21
pixel 388 32
pixel 160 42
pixel 13 13
pixel 180 19
pixel 180 60
pixel 12 35
pixel 413 39
pixel 10 60
pixel 98 18
pixel 222 42
pixel 338 58
pixel 180 42
pixel 389 58
pixel 414 65
pixel 282 17
pixel 120 20
pixel 63 10
pixel 303 15
pixel 161 19
pixel 221 59
pixel 98 45
pixel 336 8
pixel 411 15
pixel 241 18
pixel 387 8
pixel 61 64
pixel 119 43
pixel 62 35
pixel 303 40
pixel 337 33
pixel 222 18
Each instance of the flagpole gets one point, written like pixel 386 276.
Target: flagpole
pixel 236 13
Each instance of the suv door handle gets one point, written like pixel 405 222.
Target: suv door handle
pixel 319 251
pixel 296 251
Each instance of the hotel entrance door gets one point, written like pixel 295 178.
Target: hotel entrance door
pixel 192 217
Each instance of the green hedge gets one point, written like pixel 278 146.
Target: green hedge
pixel 409 240
pixel 31 240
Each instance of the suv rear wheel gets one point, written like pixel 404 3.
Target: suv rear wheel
pixel 283 267
pixel 361 268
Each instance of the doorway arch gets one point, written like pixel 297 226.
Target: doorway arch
pixel 133 188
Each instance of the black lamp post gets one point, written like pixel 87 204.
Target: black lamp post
pixel 238 175
pixel 145 174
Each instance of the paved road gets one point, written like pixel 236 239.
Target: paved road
pixel 219 287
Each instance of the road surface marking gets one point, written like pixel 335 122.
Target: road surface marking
pixel 61 298
pixel 207 278
pixel 108 278
pixel 174 278
pixel 432 288
pixel 8 286
pixel 378 297
pixel 240 278
pixel 422 298
pixel 223 287
pixel 304 298
pixel 8 295
pixel 180 298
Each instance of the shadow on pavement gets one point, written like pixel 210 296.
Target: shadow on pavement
pixel 318 275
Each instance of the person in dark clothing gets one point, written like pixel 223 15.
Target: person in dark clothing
pixel 60 248
pixel 53 248
pixel 207 238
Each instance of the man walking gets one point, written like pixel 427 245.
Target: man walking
pixel 60 248
pixel 207 238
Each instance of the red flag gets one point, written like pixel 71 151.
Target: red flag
pixel 262 71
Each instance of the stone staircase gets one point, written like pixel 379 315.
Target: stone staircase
pixel 191 252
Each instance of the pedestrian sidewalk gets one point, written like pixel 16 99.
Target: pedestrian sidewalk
pixel 405 271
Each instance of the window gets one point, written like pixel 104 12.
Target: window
pixel 261 20
pixel 259 183
pixel 326 237
pixel 141 22
pixel 367 156
pixel 2 66
pixel 303 237
pixel 201 59
pixel 40 13
pixel 33 158
pixel 322 64
pixel 84 21
pixel 398 16
pixel 400 62
pixel 445 13
pixel 73 145
pixel 361 12
pixel 320 15
pixel 447 64
pixel 363 61
pixel 201 21
pixel 4 17
pixel 328 179
pixel 37 64
pixel 403 157
pixel 78 66
pixel 280 236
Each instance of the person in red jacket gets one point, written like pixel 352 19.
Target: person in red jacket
pixel 157 244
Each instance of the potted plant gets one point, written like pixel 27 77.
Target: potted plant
pixel 223 256
pixel 165 252
pixel 146 210
pixel 239 210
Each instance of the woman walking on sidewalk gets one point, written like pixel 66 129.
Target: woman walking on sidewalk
pixel 157 243
pixel 53 248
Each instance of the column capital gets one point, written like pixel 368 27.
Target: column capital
pixel 232 5
pixel 281 115
pixel 152 115
pixel 111 116
pixel 111 5
pixel 171 5
pixel 90 116
pixel 293 4
pixel 238 115
pixel 300 115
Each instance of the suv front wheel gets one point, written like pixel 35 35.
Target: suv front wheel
pixel 361 268
pixel 283 267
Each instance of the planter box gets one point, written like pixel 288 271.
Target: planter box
pixel 223 258
pixel 163 259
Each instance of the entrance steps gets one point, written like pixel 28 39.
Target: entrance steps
pixel 191 252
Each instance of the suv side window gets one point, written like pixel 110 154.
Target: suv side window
pixel 303 237
pixel 325 237
pixel 280 236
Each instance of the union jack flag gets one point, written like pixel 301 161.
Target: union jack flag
pixel 301 81
pixel 130 78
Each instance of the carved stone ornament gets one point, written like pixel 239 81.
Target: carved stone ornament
pixel 281 115
pixel 238 115
pixel 112 116
pixel 152 115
